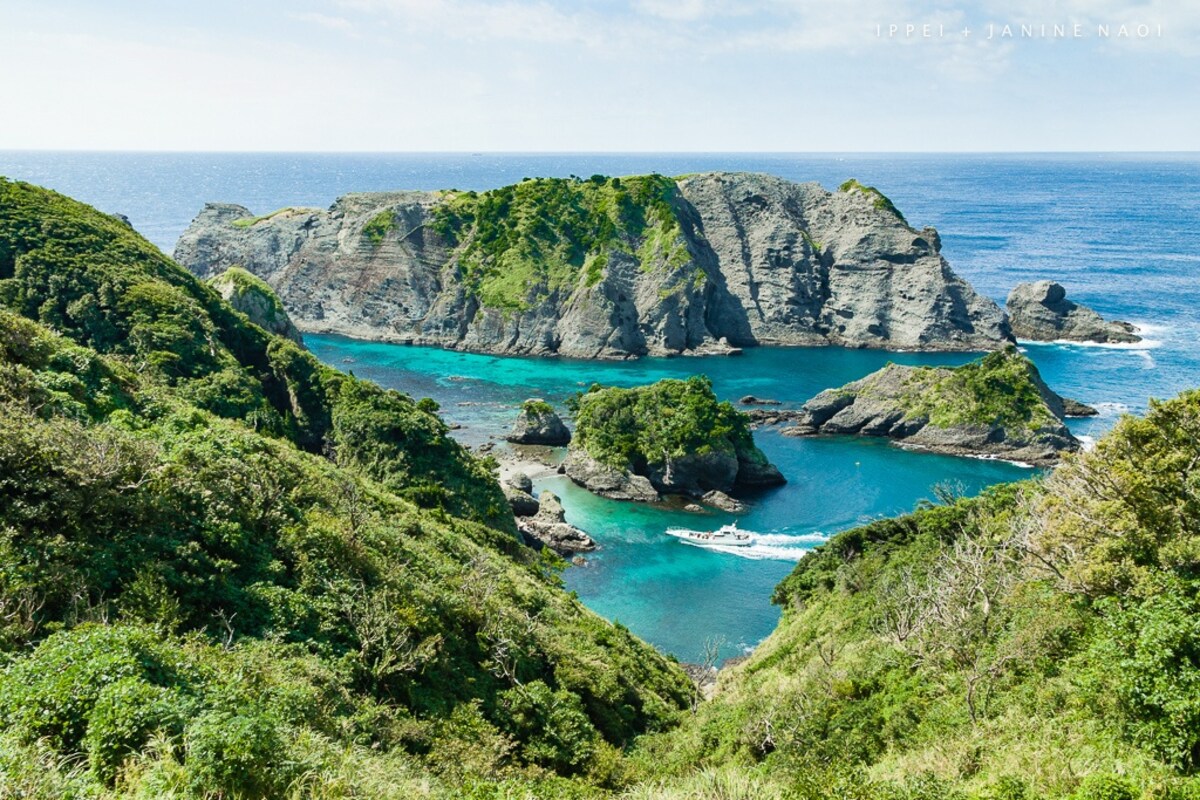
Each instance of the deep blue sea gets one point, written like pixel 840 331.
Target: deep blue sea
pixel 1122 232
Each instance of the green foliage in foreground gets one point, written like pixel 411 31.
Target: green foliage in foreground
pixel 522 244
pixel 323 596
pixel 1040 641
pixel 93 280
pixel 229 572
pixel 645 425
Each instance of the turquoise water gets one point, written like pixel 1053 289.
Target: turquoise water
pixel 670 593
pixel 1121 231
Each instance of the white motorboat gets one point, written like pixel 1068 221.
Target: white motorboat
pixel 725 536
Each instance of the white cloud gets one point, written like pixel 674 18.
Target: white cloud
pixel 325 21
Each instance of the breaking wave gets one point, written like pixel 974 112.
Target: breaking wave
pixel 769 546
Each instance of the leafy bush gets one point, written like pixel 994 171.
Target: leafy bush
pixel 1104 787
pixel 238 754
pixel 552 725
pixel 126 713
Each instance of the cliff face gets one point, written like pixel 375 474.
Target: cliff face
pixel 608 267
pixel 256 300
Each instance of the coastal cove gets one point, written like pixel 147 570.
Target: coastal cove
pixel 682 598
pixel 1121 232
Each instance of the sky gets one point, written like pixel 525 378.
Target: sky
pixel 582 76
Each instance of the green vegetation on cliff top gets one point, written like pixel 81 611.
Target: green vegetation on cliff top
pixel 520 244
pixel 878 198
pixel 1001 389
pixel 645 425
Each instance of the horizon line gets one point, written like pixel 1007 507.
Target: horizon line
pixel 415 152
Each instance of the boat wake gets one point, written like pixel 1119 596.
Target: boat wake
pixel 768 546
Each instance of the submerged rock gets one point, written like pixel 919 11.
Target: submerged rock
pixel 1041 312
pixel 254 298
pixel 549 528
pixel 537 423
pixel 751 400
pixel 718 262
pixel 997 407
pixel 724 502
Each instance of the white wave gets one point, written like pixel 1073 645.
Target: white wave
pixel 769 546
pixel 1110 410
pixel 992 457
pixel 1153 335
pixel 1087 442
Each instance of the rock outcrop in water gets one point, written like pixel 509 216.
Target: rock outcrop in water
pixel 1041 312
pixel 608 267
pixel 537 423
pixel 549 528
pixel 672 437
pixel 996 407
pixel 254 298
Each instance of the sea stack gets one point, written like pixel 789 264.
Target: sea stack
pixel 1041 312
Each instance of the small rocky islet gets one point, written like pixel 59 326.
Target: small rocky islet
pixel 995 407
pixel 1041 312
pixel 672 437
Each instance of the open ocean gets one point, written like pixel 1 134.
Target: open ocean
pixel 1120 231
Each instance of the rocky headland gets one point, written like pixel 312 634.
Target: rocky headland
pixel 672 437
pixel 1041 312
pixel 608 267
pixel 996 407
pixel 254 298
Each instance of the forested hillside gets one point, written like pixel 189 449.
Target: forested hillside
pixel 227 571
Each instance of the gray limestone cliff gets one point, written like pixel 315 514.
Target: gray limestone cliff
pixel 1041 312
pixel 608 267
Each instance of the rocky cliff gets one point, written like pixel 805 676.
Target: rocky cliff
pixel 608 267
pixel 997 407
pixel 256 300
pixel 1041 312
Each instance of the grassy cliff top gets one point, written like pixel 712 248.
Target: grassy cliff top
pixel 630 428
pixel 1001 389
pixel 979 648
pixel 519 244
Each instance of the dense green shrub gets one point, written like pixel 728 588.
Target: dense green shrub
pixel 633 428
pixel 239 754
pixel 1104 787
pixel 52 693
pixel 125 715
pixel 552 725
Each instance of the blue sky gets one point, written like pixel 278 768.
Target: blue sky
pixel 637 75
